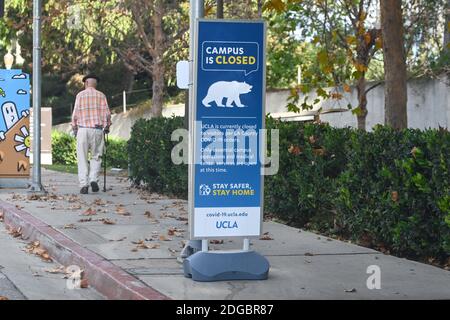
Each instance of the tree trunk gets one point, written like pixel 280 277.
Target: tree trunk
pixel 394 64
pixel 260 7
pixel 158 68
pixel 158 89
pixel 362 103
pixel 447 28
pixel 219 9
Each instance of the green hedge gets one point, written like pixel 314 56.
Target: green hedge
pixel 64 151
pixel 395 191
pixel 64 148
pixel 311 158
pixel 385 189
pixel 150 148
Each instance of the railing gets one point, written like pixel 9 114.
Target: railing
pixel 126 103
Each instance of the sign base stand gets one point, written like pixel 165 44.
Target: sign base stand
pixel 208 266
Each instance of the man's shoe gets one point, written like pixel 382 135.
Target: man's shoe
pixel 84 190
pixel 94 186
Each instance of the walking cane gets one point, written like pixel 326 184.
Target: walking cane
pixel 105 153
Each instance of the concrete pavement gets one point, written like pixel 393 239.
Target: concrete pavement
pixel 143 233
pixel 25 276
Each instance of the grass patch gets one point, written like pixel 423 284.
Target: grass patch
pixel 62 168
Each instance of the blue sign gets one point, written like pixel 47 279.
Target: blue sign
pixel 229 114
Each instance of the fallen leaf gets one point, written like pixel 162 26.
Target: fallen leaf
pixel 36 249
pixel 84 284
pixel 173 231
pixel 266 236
pixel 148 214
pixel 319 152
pixel 182 219
pixel 60 269
pixel 296 150
pixel 108 221
pixel 394 196
pixel 85 220
pixel 120 210
pixel 73 198
pixel 142 245
pixel 98 202
pixel 15 233
pixel 90 212
pixel 70 226
pixel 347 88
pixel 164 238
pixel 33 197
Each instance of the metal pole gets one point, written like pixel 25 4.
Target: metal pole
pixel 124 101
pixel 36 184
pixel 197 11
pixel 246 244
pixel 200 13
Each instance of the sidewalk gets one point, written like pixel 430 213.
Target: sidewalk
pixel 26 276
pixel 143 233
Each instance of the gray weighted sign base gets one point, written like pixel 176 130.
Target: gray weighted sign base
pixel 207 266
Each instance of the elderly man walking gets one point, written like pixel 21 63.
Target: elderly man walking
pixel 90 120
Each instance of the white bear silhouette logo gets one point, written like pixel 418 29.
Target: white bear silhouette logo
pixel 231 90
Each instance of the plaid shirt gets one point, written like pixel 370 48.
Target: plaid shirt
pixel 91 110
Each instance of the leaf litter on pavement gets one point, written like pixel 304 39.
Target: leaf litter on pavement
pixel 120 210
pixel 89 212
pixel 266 236
pixel 140 244
pixel 15 233
pixel 36 249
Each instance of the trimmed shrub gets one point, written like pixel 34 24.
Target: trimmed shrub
pixel 64 148
pixel 64 151
pixel 149 149
pixel 395 192
pixel 117 154
pixel 311 157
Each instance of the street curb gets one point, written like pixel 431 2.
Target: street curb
pixel 108 279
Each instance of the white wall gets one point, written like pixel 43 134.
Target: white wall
pixel 428 107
